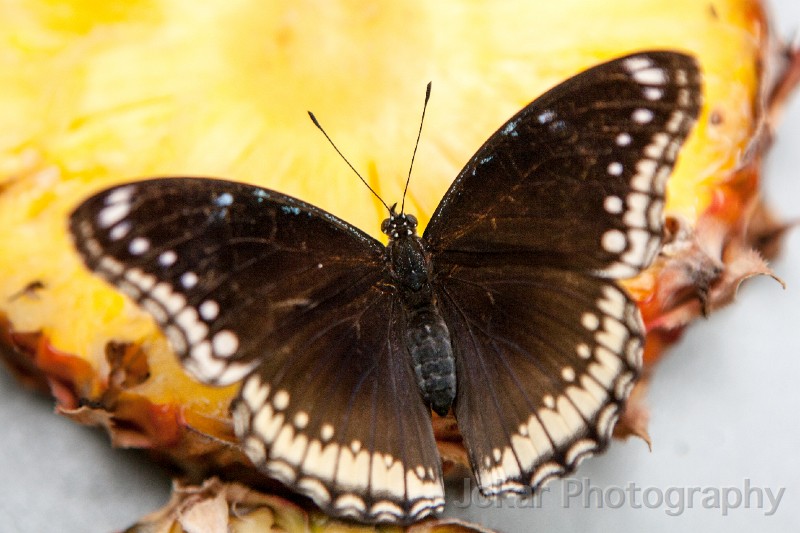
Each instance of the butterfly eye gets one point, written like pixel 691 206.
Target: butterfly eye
pixel 412 221
pixel 386 226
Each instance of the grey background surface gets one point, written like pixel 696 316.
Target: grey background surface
pixel 724 413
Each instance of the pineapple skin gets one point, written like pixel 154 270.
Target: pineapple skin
pixel 160 88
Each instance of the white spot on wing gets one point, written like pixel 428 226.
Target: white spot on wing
pixel 545 472
pixel 637 253
pixel 655 214
pixel 255 450
pixel 613 205
pixel 120 230
pixel 586 404
pixel 112 214
pixel 209 310
pixel 598 393
pixel 684 97
pixel 637 63
pixel 314 489
pixel 141 279
pixel 202 351
pixel 546 116
pixel 138 246
pixel 579 450
pixel 280 400
pixel 615 168
pixel 289 446
pixel 189 280
pixel 111 265
pixel 583 350
pixel 281 471
pixel 612 303
pixel 225 199
pixel 188 320
pixel 206 366
pixel 225 343
pixel 121 195
pixel 657 145
pixel 384 508
pixel 524 449
pixel 624 385
pixel 267 423
pixel 175 303
pixel 650 76
pixel 607 419
pixel 613 241
pixel 604 374
pixel 653 93
pixel 590 321
pixel 155 309
pixel 642 116
pixel 301 419
pixel 675 121
pixel 167 258
pixel 234 372
pixel 352 470
pixel 618 271
pixel 254 393
pixel 321 462
pixel 643 180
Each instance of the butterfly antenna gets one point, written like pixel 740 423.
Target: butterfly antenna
pixel 413 155
pixel 319 126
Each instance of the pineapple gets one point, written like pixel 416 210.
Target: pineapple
pixel 94 94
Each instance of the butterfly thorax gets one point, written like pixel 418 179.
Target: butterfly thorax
pixel 426 336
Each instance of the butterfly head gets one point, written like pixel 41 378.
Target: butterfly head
pixel 399 225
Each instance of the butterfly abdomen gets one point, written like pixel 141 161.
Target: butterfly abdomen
pixel 428 343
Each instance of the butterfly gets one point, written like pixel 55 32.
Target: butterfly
pixel 506 310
